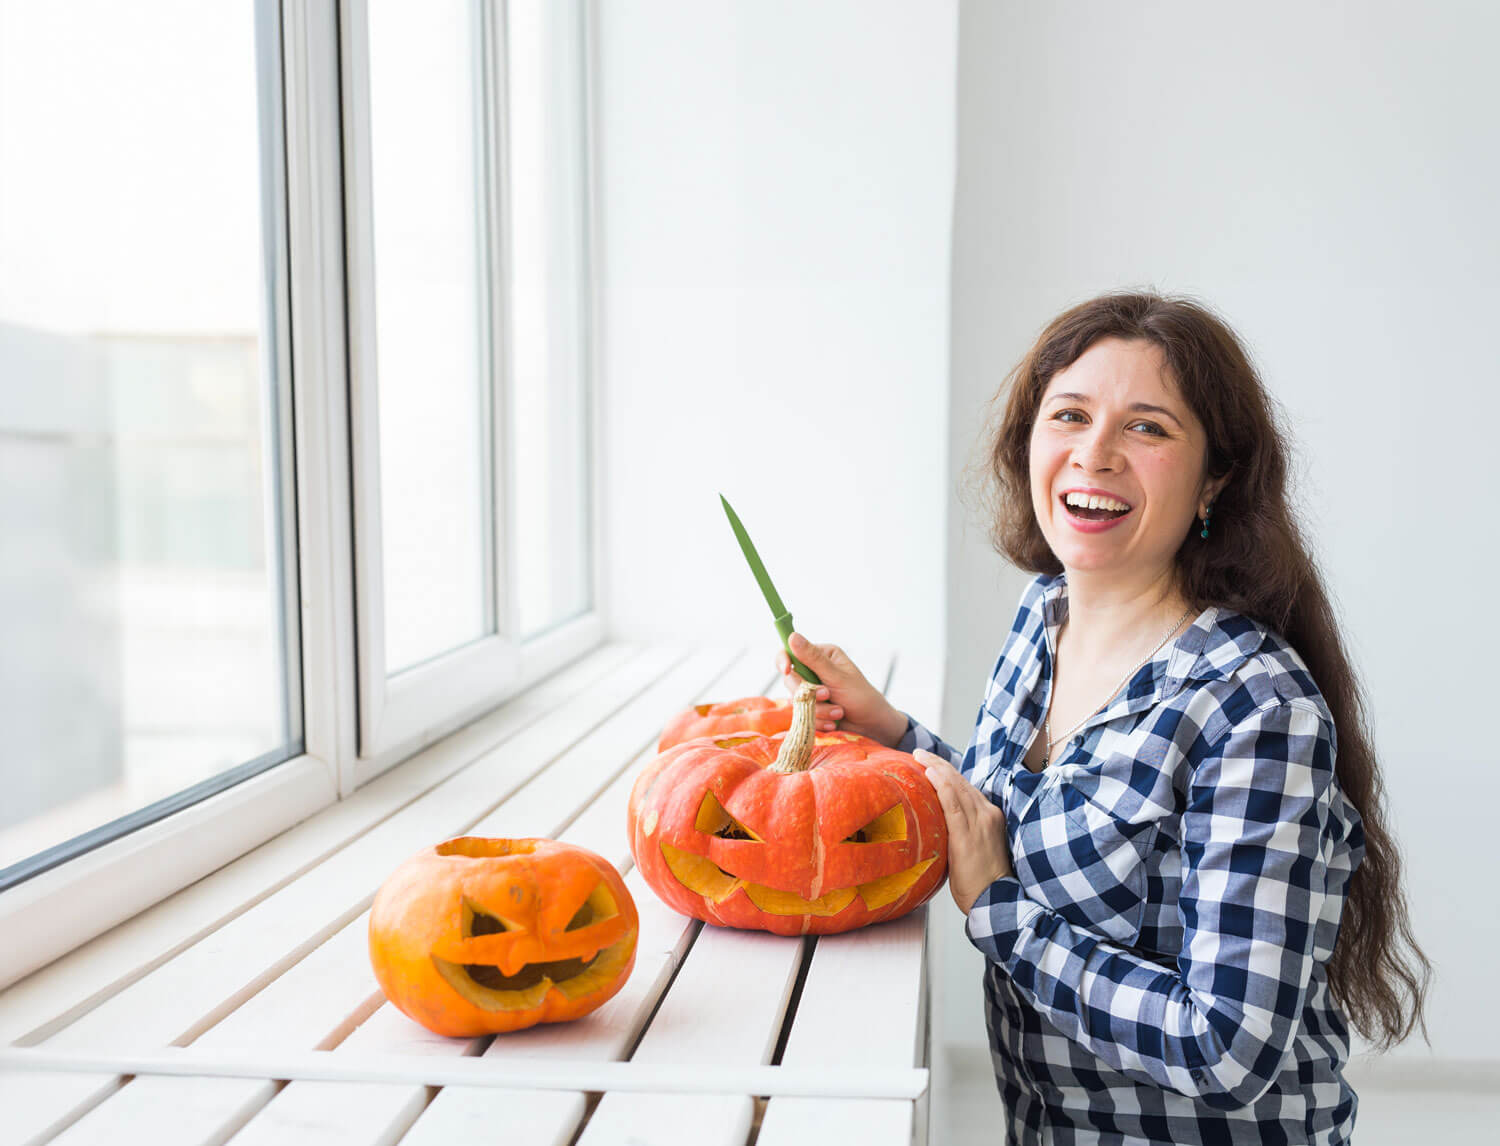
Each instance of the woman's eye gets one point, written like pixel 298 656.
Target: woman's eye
pixel 1063 413
pixel 1154 428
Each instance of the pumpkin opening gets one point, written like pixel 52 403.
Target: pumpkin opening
pixel 600 905
pixel 732 741
pixel 487 986
pixel 713 820
pixel 888 827
pixel 701 875
pixel 477 847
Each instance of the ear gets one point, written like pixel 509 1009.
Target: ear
pixel 1211 490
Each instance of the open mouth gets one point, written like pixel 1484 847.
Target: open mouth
pixel 700 874
pixel 487 986
pixel 1092 508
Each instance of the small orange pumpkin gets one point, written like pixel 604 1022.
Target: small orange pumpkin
pixel 477 936
pixel 796 833
pixel 758 714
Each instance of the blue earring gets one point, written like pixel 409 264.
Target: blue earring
pixel 1206 510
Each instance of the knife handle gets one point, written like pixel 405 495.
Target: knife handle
pixel 784 627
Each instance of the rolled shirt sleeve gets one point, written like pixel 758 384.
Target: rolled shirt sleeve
pixel 1255 848
pixel 918 735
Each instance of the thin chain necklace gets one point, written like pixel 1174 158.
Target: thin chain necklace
pixel 1047 723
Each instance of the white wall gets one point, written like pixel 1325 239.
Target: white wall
pixel 1326 175
pixel 776 191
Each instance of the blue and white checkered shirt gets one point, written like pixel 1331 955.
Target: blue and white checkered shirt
pixel 1157 966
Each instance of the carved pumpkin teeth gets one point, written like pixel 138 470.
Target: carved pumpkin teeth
pixel 701 875
pixel 485 985
pixel 487 975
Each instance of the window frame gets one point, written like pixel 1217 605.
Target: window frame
pixel 397 712
pixel 113 882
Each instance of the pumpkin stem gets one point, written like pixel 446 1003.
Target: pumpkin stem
pixel 797 746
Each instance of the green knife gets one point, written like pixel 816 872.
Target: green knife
pixel 783 619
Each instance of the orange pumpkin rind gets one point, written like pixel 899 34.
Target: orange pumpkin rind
pixel 480 936
pixel 794 833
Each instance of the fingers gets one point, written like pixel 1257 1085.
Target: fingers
pixel 827 712
pixel 949 785
pixel 830 662
pixel 932 758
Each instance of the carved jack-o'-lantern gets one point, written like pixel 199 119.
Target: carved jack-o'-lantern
pixel 748 714
pixel 476 936
pixel 793 833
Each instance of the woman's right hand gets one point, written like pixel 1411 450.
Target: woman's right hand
pixel 846 700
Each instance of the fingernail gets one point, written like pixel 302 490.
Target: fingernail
pixel 797 639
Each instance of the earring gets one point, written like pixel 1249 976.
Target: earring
pixel 1206 510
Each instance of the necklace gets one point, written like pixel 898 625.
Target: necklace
pixel 1047 723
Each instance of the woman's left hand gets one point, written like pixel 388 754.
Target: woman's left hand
pixel 978 848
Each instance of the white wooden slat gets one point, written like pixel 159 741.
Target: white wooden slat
pixel 861 1006
pixel 819 1121
pixel 315 1004
pixel 725 1006
pixel 861 1001
pixel 466 1070
pixel 460 1115
pixel 48 999
pixel 193 990
pixel 540 807
pixel 917 686
pixel 670 1120
pixel 350 1113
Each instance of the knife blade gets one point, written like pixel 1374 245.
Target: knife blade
pixel 781 618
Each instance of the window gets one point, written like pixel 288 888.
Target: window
pixel 294 425
pixel 468 333
pixel 151 638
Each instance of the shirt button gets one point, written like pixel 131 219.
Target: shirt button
pixel 1077 740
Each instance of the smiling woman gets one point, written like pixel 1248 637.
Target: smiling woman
pixel 1170 795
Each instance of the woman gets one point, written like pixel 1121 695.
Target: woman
pixel 1167 829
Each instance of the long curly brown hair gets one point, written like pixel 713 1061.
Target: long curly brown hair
pixel 1258 564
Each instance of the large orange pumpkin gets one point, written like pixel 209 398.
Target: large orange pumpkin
pixel 747 714
pixel 792 833
pixel 477 936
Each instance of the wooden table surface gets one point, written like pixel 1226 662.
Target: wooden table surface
pixel 243 1008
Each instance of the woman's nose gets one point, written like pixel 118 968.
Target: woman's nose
pixel 1098 451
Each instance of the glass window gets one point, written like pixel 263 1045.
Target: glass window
pixel 549 312
pixel 426 200
pixel 150 643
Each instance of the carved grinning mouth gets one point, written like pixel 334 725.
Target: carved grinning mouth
pixel 558 970
pixel 700 874
pixel 487 985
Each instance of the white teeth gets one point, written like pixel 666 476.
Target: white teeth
pixel 1094 501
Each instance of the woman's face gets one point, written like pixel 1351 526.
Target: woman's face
pixel 1112 423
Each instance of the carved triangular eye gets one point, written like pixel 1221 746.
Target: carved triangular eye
pixel 477 921
pixel 713 820
pixel 600 905
pixel 885 828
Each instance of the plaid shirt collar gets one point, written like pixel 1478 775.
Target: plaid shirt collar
pixel 1217 643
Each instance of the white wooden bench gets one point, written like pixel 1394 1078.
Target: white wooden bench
pixel 244 1006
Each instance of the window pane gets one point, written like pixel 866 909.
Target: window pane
pixel 147 641
pixel 430 362
pixel 549 436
